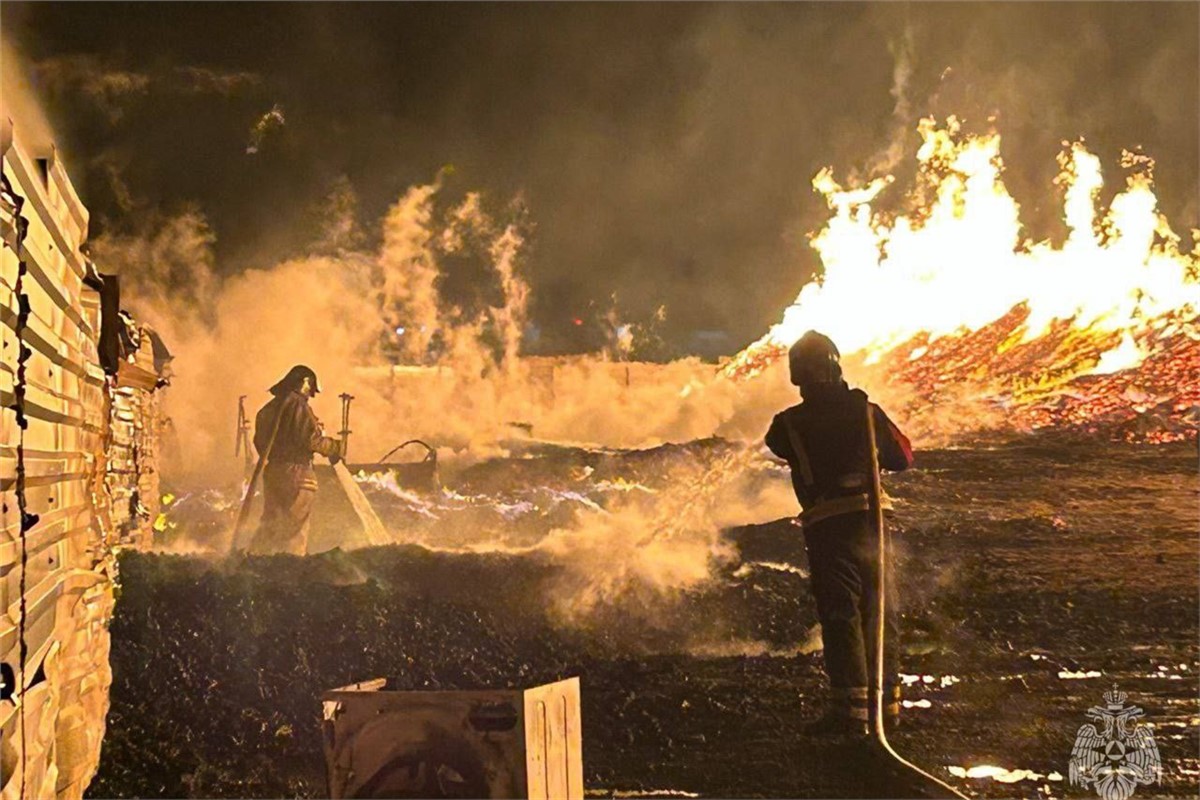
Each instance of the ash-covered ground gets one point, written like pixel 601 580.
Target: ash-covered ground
pixel 1035 574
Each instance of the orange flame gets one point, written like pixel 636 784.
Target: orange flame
pixel 954 292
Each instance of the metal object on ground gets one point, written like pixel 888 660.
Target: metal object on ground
pixel 241 445
pixel 345 431
pixel 421 474
pixel 372 527
pixel 503 743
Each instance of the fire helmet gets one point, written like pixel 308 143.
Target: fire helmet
pixel 294 379
pixel 813 359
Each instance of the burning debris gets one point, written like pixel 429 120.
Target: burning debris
pixel 1089 335
pixel 653 516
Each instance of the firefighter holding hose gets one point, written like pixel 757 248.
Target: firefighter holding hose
pixel 287 435
pixel 824 441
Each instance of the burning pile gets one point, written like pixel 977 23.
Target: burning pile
pixel 952 301
pixel 949 308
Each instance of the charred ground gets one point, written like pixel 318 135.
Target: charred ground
pixel 1022 564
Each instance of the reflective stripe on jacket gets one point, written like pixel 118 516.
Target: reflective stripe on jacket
pixel 823 440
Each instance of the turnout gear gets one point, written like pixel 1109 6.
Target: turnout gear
pixel 843 563
pixel 824 441
pixel 289 482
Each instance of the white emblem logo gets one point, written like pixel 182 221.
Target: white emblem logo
pixel 1118 758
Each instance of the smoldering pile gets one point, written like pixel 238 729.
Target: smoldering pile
pixel 652 517
pixel 219 662
pixel 221 658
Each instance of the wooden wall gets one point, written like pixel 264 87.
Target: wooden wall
pixel 57 535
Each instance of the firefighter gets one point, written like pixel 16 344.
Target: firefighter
pixel 287 434
pixel 824 441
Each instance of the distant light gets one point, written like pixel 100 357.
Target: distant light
pixel 577 321
pixel 400 331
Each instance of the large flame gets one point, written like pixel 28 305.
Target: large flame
pixel 955 292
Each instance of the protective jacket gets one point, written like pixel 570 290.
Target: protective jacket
pixel 289 482
pixel 299 435
pixel 824 441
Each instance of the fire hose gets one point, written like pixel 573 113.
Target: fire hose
pixel 430 453
pixel 877 731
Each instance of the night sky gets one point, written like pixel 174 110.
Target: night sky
pixel 664 151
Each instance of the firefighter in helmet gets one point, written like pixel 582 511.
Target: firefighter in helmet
pixel 287 434
pixel 824 441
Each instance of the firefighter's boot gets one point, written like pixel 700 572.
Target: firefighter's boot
pixel 846 715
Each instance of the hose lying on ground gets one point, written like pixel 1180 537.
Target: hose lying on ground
pixel 877 731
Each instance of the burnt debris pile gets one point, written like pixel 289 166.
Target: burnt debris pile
pixel 1016 617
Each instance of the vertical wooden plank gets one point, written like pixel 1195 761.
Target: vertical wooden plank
pixel 536 749
pixel 54 580
pixel 554 741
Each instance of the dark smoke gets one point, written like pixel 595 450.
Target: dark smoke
pixel 664 150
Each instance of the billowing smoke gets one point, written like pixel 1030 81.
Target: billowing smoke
pixel 409 273
pixel 889 158
pixel 653 547
pixel 354 314
pixel 338 313
pixel 668 174
pixel 460 383
pixel 18 101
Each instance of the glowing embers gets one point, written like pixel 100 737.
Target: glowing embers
pixel 952 298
